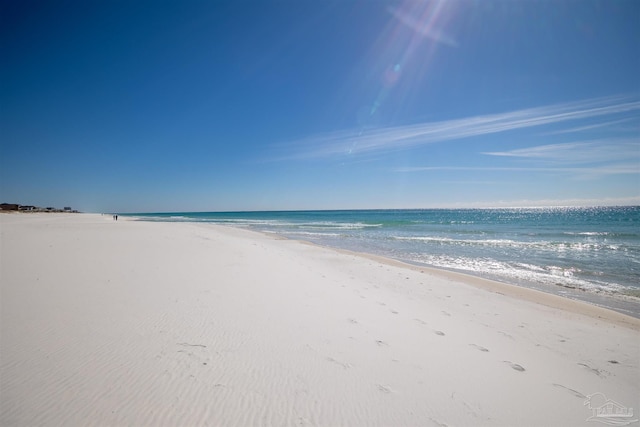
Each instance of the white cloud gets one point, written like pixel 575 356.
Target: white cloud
pixel 596 151
pixel 617 169
pixel 360 142
pixel 590 127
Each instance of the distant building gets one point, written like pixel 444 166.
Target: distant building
pixel 30 208
pixel 9 207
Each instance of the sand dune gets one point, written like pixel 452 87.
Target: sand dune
pixel 137 323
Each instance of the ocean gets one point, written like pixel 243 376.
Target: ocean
pixel 589 254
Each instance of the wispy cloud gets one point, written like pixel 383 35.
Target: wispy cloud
pixel 380 140
pixel 586 159
pixel 596 151
pixel 616 169
pixel 589 127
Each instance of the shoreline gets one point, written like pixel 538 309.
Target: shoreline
pixel 132 322
pixel 623 305
pixel 516 291
pixel 529 294
pixel 623 300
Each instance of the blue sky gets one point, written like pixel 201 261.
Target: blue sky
pixel 140 106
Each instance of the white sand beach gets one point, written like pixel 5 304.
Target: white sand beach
pixel 133 323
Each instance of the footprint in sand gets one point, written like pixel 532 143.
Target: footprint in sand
pixel 596 371
pixel 479 347
pixel 570 390
pixel 505 334
pixel 339 363
pixel 186 344
pixel 438 423
pixel 515 366
pixel 384 388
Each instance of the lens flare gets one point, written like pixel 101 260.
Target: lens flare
pixel 401 57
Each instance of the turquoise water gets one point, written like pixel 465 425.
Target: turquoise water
pixel 584 253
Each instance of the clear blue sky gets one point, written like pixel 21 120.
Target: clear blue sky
pixel 139 106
